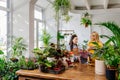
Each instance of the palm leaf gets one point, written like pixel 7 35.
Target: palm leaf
pixel 114 28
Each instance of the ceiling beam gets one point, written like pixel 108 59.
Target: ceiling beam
pixel 87 4
pixel 106 2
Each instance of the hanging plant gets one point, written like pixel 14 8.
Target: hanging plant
pixel 63 6
pixel 85 20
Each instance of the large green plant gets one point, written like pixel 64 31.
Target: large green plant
pixel 41 56
pixel 45 38
pixel 18 46
pixel 115 29
pixel 2 66
pixel 10 71
pixel 111 57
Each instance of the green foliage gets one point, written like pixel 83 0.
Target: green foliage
pixel 86 21
pixel 2 67
pixel 45 38
pixel 18 46
pixel 115 29
pixel 27 64
pixel 111 57
pixel 99 52
pixel 110 39
pixel 58 4
pixel 10 69
pixel 84 44
pixel 1 52
pixel 42 56
pixel 62 6
pixel 67 18
pixel 60 36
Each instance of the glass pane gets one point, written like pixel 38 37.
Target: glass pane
pixel 41 27
pixel 35 35
pixel 38 14
pixel 3 30
pixel 3 3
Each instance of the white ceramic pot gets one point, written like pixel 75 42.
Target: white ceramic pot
pixel 99 67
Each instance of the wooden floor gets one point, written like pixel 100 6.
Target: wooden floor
pixel 80 72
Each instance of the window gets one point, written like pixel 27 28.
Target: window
pixel 38 26
pixel 3 30
pixel 3 3
pixel 3 24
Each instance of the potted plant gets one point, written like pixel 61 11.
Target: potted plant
pixel 27 64
pixel 18 46
pixel 99 59
pixel 10 71
pixel 42 61
pixel 62 6
pixel 49 60
pixel 112 59
pixel 45 38
pixel 85 20
pixel 115 29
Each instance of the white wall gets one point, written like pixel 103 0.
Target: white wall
pixel 23 26
pixel 104 18
pixel 74 24
pixel 21 23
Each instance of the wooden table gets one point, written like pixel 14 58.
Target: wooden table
pixel 80 72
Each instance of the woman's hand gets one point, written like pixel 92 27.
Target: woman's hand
pixel 91 48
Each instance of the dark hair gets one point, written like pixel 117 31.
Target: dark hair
pixel 71 41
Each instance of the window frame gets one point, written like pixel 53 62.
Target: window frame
pixel 37 24
pixel 8 9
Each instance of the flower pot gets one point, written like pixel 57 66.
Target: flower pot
pixel 14 59
pixel 111 74
pixel 86 25
pixel 43 68
pixel 99 67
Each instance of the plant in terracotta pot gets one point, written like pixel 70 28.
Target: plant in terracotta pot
pixel 85 20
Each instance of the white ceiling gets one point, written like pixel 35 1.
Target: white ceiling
pixel 78 5
pixel 87 4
